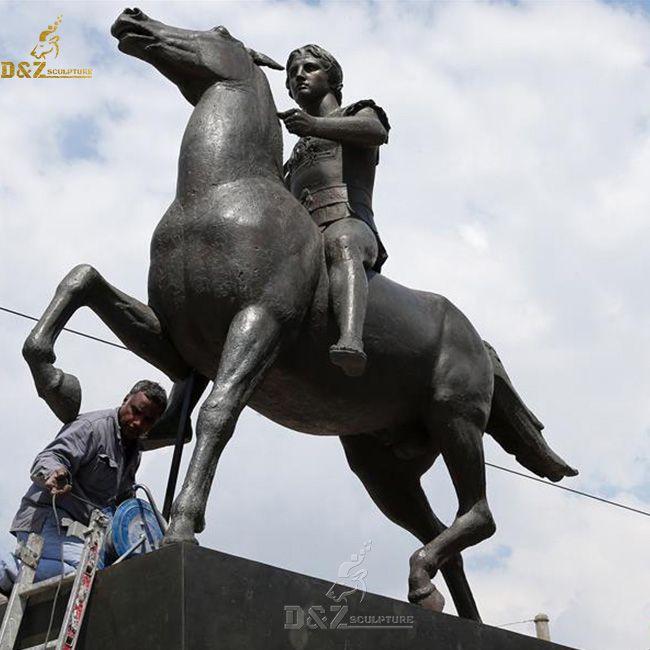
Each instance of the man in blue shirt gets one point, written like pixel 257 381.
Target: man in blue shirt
pixel 90 464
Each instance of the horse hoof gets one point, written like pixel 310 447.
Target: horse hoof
pixel 171 540
pixel 180 530
pixel 350 360
pixel 61 392
pixel 428 598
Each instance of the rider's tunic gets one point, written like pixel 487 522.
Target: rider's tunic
pixel 334 180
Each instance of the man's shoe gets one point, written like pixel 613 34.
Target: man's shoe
pixel 352 361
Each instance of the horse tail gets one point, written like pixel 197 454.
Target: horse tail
pixel 517 429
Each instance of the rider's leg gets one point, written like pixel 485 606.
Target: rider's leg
pixel 133 322
pixel 350 248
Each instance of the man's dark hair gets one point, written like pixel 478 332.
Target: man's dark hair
pixel 330 65
pixel 155 392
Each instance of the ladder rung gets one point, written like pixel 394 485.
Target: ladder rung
pixel 45 585
pixel 40 646
pixel 80 581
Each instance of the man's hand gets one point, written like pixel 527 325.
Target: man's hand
pixel 298 122
pixel 59 482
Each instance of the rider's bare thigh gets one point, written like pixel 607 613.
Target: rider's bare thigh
pixel 350 238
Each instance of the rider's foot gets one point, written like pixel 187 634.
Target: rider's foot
pixel 349 357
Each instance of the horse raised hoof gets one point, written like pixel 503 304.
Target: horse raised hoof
pixel 428 597
pixel 351 360
pixel 60 391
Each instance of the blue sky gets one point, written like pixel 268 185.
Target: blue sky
pixel 514 183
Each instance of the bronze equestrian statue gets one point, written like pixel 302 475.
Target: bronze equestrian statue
pixel 238 293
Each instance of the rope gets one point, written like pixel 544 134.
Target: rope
pixel 503 469
pixel 527 620
pixel 67 329
pixel 58 586
pixel 567 489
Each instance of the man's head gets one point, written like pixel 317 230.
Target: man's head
pixel 141 408
pixel 327 63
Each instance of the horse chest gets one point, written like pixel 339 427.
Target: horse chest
pixel 216 146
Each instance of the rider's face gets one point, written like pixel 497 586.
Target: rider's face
pixel 308 80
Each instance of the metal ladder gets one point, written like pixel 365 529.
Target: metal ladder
pixel 29 554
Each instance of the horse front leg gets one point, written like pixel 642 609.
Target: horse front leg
pixel 251 347
pixel 133 322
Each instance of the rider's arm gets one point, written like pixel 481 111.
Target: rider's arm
pixel 362 129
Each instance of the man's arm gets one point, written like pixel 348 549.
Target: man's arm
pixel 363 129
pixel 55 466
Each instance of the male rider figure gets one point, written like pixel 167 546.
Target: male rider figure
pixel 332 172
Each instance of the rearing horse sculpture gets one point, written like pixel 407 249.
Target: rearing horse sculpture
pixel 238 293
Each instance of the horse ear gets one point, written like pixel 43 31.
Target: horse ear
pixel 262 59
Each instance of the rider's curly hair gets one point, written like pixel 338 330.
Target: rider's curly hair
pixel 330 65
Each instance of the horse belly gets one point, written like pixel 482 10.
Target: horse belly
pixel 305 392
pixel 333 407
pixel 402 336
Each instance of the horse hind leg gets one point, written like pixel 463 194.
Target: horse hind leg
pixel 394 485
pixel 133 322
pixel 460 438
pixel 251 347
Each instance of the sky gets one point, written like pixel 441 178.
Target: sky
pixel 514 183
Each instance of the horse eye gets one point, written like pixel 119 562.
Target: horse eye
pixel 222 30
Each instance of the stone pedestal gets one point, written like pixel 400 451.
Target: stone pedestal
pixel 185 597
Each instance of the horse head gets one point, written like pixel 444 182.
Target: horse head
pixel 193 60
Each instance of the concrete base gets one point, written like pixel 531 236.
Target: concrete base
pixel 185 597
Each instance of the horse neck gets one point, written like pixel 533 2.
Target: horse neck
pixel 232 133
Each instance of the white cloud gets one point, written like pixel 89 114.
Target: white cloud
pixel 514 183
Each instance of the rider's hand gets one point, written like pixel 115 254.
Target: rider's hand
pixel 298 122
pixel 58 482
